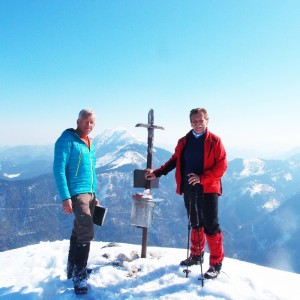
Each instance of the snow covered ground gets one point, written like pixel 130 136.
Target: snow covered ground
pixel 38 272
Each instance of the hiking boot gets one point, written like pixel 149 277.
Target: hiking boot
pixel 80 281
pixel 71 256
pixel 70 268
pixel 213 271
pixel 193 260
pixel 80 272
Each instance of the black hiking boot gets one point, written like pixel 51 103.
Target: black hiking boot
pixel 71 257
pixel 213 271
pixel 193 260
pixel 70 269
pixel 80 280
pixel 80 272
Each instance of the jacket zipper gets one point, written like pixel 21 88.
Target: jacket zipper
pixel 92 172
pixel 79 161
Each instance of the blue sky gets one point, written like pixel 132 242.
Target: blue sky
pixel 238 59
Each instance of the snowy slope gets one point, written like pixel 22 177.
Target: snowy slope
pixel 38 272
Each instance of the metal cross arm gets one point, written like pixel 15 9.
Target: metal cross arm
pixel 149 125
pixel 139 181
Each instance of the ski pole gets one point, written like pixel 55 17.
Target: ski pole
pixel 198 226
pixel 187 271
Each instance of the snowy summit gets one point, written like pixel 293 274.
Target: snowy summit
pixel 39 272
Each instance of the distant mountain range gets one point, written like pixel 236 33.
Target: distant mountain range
pixel 259 209
pixel 23 162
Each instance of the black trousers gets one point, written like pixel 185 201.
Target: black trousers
pixel 202 209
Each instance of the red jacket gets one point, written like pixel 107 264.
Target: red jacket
pixel 215 164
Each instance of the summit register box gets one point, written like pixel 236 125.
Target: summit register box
pixel 142 211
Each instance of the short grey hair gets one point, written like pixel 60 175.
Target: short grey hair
pixel 86 112
pixel 199 110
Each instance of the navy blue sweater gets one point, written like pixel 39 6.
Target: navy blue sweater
pixel 193 158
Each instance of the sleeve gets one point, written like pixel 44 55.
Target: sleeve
pixel 171 163
pixel 166 168
pixel 62 153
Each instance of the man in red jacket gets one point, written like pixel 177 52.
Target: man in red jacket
pixel 200 162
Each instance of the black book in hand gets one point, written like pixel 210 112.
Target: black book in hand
pixel 99 215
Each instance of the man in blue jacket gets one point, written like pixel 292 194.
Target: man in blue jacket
pixel 75 177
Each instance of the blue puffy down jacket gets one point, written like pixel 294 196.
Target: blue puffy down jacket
pixel 74 165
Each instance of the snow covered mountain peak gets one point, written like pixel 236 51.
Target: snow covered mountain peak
pixel 118 147
pixel 116 136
